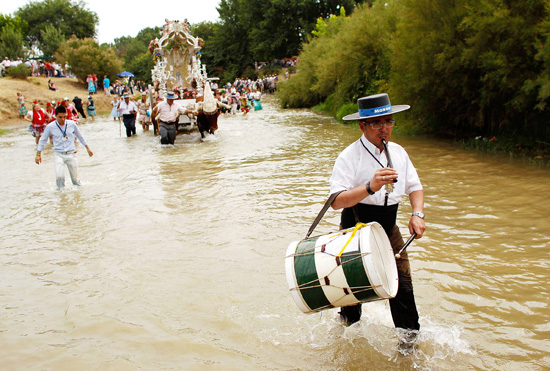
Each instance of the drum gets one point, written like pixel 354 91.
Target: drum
pixel 352 266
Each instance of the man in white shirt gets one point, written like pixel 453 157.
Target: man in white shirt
pixel 128 109
pixel 6 63
pixel 371 191
pixel 63 133
pixel 167 115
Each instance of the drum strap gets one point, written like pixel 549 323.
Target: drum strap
pixel 322 213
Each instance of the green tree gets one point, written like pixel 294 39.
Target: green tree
pixel 52 39
pixel 11 43
pixel 472 67
pixel 345 58
pixel 134 53
pixel 70 18
pixel 85 57
pixel 141 67
pixel 206 31
pixel 279 27
pixel 256 30
pixel 15 22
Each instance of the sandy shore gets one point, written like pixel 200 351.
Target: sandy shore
pixel 36 88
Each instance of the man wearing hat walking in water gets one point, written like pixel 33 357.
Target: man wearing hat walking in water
pixel 167 116
pixel 128 110
pixel 371 192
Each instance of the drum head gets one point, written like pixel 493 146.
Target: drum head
pixel 380 262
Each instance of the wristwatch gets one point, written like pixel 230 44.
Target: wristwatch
pixel 371 192
pixel 419 214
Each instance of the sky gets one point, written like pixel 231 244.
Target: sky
pixel 126 18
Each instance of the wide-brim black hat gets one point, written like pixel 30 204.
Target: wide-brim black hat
pixel 375 106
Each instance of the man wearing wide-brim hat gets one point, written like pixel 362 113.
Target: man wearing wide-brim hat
pixel 372 191
pixel 128 109
pixel 167 115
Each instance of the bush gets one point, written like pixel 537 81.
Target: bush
pixel 19 72
pixel 85 57
pixel 346 109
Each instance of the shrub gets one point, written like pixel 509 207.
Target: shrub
pixel 86 57
pixel 19 72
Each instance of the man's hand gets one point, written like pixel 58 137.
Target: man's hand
pixel 381 177
pixel 38 159
pixel 417 224
pixel 90 153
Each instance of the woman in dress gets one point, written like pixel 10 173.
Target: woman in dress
pixel 21 104
pixel 90 108
pixel 257 95
pixel 143 117
pixel 38 118
pixel 91 85
pixel 115 113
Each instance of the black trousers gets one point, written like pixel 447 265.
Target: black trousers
pixel 403 306
pixel 167 132
pixel 81 111
pixel 129 124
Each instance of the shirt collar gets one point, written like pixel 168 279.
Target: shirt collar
pixel 370 146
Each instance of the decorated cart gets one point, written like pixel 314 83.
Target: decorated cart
pixel 178 66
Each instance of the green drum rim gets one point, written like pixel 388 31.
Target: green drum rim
pixel 306 276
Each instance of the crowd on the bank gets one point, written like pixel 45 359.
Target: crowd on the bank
pixel 285 63
pixel 40 116
pixel 38 67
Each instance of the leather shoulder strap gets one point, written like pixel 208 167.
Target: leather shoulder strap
pixel 322 213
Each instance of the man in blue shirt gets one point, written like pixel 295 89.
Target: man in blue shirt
pixel 106 85
pixel 63 133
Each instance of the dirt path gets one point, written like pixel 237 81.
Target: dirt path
pixel 36 88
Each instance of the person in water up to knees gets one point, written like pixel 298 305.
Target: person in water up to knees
pixel 63 133
pixel 372 192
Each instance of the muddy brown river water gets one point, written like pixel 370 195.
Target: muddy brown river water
pixel 172 258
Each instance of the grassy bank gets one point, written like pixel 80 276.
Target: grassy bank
pixel 535 153
pixel 36 88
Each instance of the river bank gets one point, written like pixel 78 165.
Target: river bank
pixel 36 88
pixel 534 153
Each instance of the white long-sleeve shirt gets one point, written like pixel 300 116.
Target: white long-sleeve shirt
pixel 58 132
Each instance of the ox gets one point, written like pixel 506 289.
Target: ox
pixel 209 110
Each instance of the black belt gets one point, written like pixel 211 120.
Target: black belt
pixel 127 114
pixel 168 123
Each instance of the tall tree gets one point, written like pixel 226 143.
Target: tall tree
pixel 70 18
pixel 52 38
pixel 15 22
pixel 85 56
pixel 206 31
pixel 134 53
pixel 11 43
pixel 279 27
pixel 256 30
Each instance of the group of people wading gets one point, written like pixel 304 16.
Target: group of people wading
pixel 40 117
pixel 368 189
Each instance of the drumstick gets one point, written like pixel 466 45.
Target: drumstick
pixel 411 238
